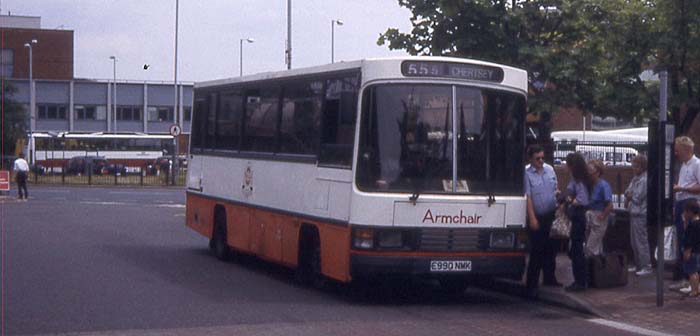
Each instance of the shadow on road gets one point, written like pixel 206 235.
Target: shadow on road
pixel 249 278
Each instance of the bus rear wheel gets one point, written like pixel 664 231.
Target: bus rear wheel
pixel 218 243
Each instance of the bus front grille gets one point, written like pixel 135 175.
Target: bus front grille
pixel 452 240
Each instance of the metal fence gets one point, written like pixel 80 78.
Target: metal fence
pixel 136 176
pixel 612 153
pixel 616 155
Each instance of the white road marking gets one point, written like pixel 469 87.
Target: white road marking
pixel 177 206
pixel 102 203
pixel 628 327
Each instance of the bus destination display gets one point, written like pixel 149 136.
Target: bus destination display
pixel 452 70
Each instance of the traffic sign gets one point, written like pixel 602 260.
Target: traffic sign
pixel 175 130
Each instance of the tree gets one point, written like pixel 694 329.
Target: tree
pixel 679 53
pixel 14 121
pixel 586 54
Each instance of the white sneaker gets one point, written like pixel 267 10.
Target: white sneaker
pixel 678 285
pixel 685 290
pixel 644 271
pixel 632 269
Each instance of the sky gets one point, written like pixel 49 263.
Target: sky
pixel 142 32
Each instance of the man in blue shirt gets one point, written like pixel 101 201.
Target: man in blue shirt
pixel 541 191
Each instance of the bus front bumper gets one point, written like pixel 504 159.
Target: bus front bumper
pixel 510 265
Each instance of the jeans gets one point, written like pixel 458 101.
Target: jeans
pixel 22 184
pixel 578 237
pixel 543 252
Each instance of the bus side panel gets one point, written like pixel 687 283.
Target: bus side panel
pixel 238 220
pixel 270 235
pixel 200 214
pixel 335 251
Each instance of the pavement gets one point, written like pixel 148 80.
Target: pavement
pixel 634 304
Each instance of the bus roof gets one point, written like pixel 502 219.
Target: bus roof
pixel 384 68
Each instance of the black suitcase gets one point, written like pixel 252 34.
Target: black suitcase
pixel 608 270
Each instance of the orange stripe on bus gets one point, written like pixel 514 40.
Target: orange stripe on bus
pixel 270 235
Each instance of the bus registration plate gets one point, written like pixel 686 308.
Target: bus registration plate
pixel 450 266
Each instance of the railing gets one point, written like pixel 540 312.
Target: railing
pixel 136 176
pixel 616 155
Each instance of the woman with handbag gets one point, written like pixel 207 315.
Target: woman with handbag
pixel 577 198
pixel 600 207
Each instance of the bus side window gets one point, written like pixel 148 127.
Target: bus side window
pixel 301 115
pixel 210 127
pixel 339 114
pixel 228 121
pixel 261 120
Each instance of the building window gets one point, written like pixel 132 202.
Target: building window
pixel 51 111
pixel 128 113
pixel 7 59
pixel 90 112
pixel 160 113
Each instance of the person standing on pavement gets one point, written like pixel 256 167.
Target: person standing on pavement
pixel 687 188
pixel 21 169
pixel 541 191
pixel 600 207
pixel 636 204
pixel 577 198
pixel 691 245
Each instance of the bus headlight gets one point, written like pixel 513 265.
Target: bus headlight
pixel 363 238
pixel 390 239
pixel 503 240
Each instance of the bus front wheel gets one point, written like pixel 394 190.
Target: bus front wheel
pixel 308 270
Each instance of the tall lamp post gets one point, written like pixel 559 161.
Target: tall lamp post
pixel 32 96
pixel 249 40
pixel 333 24
pixel 114 99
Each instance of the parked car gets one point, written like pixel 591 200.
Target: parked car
pixel 162 164
pixel 97 165
pixel 38 169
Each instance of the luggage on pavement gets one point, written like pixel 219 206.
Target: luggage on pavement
pixel 608 270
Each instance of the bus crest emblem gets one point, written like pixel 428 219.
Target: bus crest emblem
pixel 247 187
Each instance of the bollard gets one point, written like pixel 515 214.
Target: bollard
pixel 141 174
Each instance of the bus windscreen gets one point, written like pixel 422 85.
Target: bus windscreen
pixel 407 139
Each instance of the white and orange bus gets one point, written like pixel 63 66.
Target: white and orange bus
pixel 346 171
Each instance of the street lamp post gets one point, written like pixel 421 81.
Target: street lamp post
pixel 114 99
pixel 249 40
pixel 333 24
pixel 32 96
